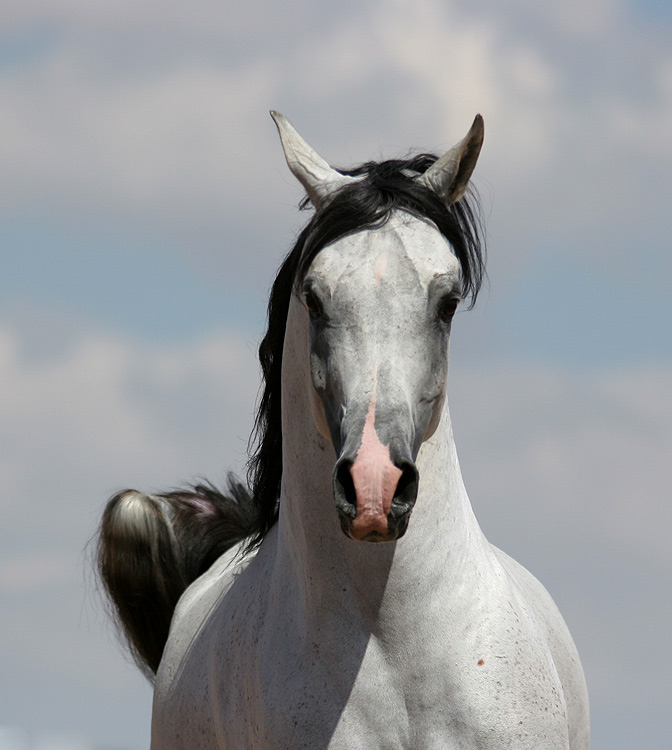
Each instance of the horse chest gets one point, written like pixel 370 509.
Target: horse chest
pixel 273 686
pixel 445 698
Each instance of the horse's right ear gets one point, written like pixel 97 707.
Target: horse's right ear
pixel 449 176
pixel 319 179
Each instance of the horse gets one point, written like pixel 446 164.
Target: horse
pixel 348 598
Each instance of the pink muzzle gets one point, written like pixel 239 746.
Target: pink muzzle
pixel 375 479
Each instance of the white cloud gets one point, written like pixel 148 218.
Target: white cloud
pixel 576 453
pixel 106 413
pixel 180 142
pixel 574 121
pixel 25 572
pixel 575 18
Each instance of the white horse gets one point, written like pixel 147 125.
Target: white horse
pixel 430 639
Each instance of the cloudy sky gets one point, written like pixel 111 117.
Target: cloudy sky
pixel 144 208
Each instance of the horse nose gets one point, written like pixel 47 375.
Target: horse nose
pixel 374 496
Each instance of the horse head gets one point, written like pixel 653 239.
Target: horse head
pixel 380 302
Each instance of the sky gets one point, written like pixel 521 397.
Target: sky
pixel 144 208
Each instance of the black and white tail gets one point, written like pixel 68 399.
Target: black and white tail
pixel 151 547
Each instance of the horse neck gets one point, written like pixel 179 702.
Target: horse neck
pixel 314 553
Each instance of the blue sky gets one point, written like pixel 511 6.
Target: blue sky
pixel 145 206
pixel 126 284
pixel 556 310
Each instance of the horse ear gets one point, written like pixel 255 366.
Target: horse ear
pixel 449 176
pixel 319 179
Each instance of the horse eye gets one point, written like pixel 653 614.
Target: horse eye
pixel 447 308
pixel 312 304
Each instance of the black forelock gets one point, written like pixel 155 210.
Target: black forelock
pixel 388 186
pixel 366 203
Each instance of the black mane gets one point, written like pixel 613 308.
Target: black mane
pixel 387 186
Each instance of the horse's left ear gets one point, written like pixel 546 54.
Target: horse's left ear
pixel 450 175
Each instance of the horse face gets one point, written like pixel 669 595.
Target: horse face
pixel 380 303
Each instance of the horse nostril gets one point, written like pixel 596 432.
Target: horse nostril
pixel 407 486
pixel 344 488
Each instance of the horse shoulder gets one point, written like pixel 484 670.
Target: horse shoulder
pixel 560 645
pixel 181 688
